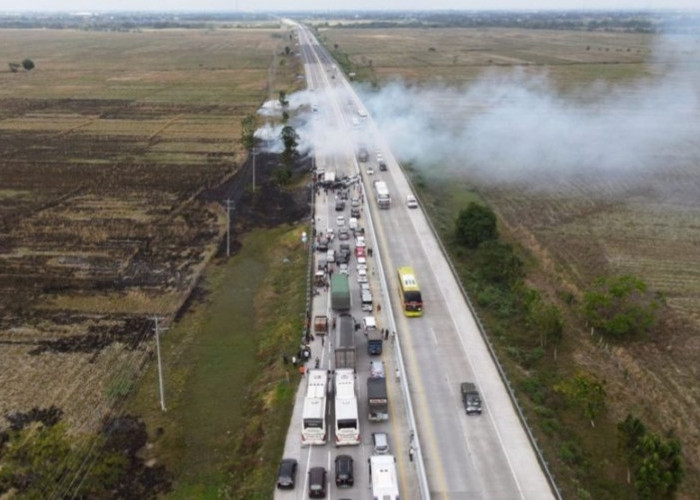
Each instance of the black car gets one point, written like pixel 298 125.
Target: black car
pixel 317 482
pixel 286 477
pixel 344 475
pixel 339 206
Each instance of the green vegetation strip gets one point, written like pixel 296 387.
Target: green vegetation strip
pixel 228 396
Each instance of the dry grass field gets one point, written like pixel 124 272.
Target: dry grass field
pixel 640 220
pixel 104 149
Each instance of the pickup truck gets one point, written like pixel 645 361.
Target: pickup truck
pixel 470 398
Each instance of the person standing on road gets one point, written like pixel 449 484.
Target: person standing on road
pixel 411 451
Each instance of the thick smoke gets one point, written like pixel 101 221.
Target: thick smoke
pixel 314 123
pixel 516 127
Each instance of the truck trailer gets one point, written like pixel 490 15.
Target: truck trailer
pixel 340 292
pixel 345 342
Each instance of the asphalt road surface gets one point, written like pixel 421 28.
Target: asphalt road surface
pixel 485 456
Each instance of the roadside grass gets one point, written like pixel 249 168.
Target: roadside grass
pixel 228 398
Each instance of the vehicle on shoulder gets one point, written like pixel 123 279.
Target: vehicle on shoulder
pixel 382 166
pixel 317 482
pixel 287 473
pixel 344 473
pixel 470 398
pixel 411 201
pixel 322 244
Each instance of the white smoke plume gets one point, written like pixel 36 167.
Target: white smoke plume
pixel 517 127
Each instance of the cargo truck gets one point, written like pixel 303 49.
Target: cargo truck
pixel 377 399
pixel 340 292
pixel 345 342
pixel 374 335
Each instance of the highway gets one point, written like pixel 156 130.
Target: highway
pixel 485 456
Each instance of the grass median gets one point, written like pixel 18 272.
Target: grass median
pixel 228 396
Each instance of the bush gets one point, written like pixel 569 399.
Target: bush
pixel 475 225
pixel 621 306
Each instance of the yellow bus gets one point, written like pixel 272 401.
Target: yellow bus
pixel 409 292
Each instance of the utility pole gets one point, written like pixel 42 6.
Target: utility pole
pixel 160 364
pixel 229 206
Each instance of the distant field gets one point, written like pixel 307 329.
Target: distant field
pixel 627 220
pixel 456 56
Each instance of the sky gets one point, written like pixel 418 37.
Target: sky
pixel 323 5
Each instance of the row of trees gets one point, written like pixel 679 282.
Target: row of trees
pixel 288 135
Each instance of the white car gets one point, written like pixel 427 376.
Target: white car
pixel 411 201
pixel 362 260
pixel 343 269
pixel 362 276
pixel 360 241
pixel 340 220
pixel 370 171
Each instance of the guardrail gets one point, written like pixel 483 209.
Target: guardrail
pixel 502 373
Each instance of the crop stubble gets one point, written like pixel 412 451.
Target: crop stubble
pixel 105 147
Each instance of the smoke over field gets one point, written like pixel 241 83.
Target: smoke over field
pixel 515 126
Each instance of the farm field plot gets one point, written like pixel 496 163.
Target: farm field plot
pixel 592 216
pixel 105 148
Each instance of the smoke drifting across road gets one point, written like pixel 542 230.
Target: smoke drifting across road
pixel 517 127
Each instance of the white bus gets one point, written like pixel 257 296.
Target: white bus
pixel 313 418
pixel 383 196
pixel 347 421
pixel 382 476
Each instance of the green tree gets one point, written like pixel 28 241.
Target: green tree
pixel 248 127
pixel 497 263
pixel 621 306
pixel 28 64
pixel 544 318
pixel 290 139
pixel 284 102
pixel 585 391
pixel 655 464
pixel 475 224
